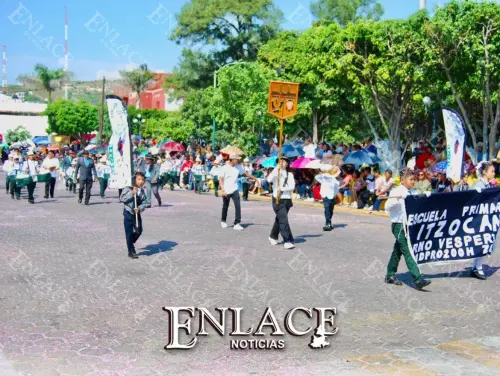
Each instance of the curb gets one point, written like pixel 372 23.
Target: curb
pixel 320 205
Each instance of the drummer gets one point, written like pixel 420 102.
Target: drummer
pixel 31 168
pixel 16 169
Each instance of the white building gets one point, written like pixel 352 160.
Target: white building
pixel 14 113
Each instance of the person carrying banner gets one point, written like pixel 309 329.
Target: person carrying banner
pixel 485 173
pixel 281 209
pixel 395 207
pixel 135 201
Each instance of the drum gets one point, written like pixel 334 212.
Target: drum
pixel 12 178
pixel 43 177
pixel 23 180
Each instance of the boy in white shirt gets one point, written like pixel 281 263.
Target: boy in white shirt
pixel 329 189
pixel 395 208
pixel 50 164
pixel 228 180
pixel 70 176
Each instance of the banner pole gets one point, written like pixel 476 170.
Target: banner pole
pixel 280 151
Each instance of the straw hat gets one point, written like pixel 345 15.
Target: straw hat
pixel 246 160
pixel 234 156
pixel 330 169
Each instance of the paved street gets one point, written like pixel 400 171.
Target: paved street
pixel 73 303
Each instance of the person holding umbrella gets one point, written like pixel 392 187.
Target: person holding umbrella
pixel 85 169
pixel 228 180
pixel 135 201
pixel 281 208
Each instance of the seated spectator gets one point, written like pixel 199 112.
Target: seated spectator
pixel 385 186
pixel 359 184
pixel 422 184
pixel 443 184
pixel 367 194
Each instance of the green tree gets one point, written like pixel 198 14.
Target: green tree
pixel 138 80
pixel 72 118
pixel 47 79
pixel 345 11
pixel 19 134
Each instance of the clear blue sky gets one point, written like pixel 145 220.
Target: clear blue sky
pixel 108 35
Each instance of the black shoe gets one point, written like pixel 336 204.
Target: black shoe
pixel 392 280
pixel 12 197
pixel 79 200
pixel 422 283
pixel 328 228
pixel 86 203
pixel 46 197
pixel 103 197
pixel 51 196
pixel 18 198
pixel 133 256
pixel 159 204
pixel 31 201
pixel 479 274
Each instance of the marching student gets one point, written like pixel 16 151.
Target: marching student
pixel 485 173
pixel 214 172
pixel 329 189
pixel 395 207
pixel 86 174
pixel 103 174
pixel 228 180
pixel 285 190
pixel 7 167
pixel 30 167
pixel 14 170
pixel 132 220
pixel 50 164
pixel 245 181
pixel 151 171
pixel 71 177
pixel 199 172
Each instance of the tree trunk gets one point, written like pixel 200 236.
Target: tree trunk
pixel 138 102
pixel 50 96
pixel 315 125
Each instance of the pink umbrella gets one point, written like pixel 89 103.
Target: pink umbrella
pixel 301 162
pixel 173 146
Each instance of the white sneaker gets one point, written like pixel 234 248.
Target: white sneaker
pixel 237 227
pixel 370 208
pixel 273 241
pixel 289 246
pixel 223 224
pixel 310 199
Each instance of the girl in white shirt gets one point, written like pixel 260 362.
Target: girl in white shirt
pixel 285 189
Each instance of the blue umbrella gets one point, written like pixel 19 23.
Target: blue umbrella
pixel 41 140
pixel 270 162
pixel 292 151
pixel 360 157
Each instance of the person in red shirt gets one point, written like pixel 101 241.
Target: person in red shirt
pixel 185 169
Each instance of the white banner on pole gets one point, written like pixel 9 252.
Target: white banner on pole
pixel 455 143
pixel 120 150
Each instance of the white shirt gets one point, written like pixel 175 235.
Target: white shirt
pixel 47 163
pixel 285 190
pixel 7 166
pixel 30 167
pixel 387 184
pixel 102 169
pixel 395 206
pixel 329 185
pixel 310 151
pixel 230 175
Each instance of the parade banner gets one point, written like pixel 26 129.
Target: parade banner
pixel 455 143
pixel 120 149
pixel 453 226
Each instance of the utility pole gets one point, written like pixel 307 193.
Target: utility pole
pixel 4 69
pixel 101 113
pixel 66 52
pixel 423 4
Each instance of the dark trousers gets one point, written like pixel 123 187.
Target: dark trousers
pixel 246 188
pixel 87 186
pixel 49 187
pixel 401 249
pixel 103 184
pixel 15 189
pixel 364 198
pixel 329 205
pixel 31 190
pixel 7 184
pixel 71 185
pixel 281 225
pixel 235 196
pixel 153 189
pixel 132 232
pixel 216 186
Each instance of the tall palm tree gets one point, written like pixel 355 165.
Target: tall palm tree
pixel 48 79
pixel 138 80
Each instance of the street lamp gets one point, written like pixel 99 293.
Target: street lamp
pixel 214 126
pixel 138 120
pixel 427 103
